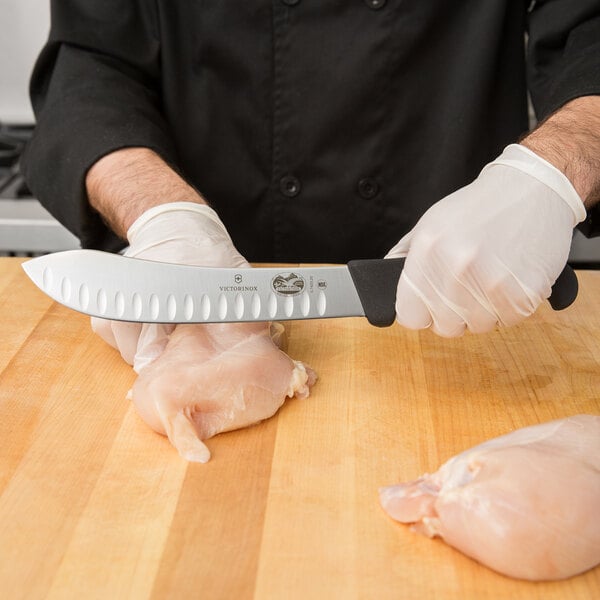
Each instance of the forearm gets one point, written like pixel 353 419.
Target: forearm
pixel 570 140
pixel 124 184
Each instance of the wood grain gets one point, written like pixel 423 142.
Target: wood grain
pixel 95 505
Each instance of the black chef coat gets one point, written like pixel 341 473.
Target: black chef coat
pixel 320 130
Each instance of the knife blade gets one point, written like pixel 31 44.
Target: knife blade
pixel 120 288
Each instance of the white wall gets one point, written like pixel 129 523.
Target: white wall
pixel 24 26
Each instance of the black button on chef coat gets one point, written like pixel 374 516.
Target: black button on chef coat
pixel 368 188
pixel 375 4
pixel 413 98
pixel 290 186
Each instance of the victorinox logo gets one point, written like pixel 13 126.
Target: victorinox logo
pixel 238 279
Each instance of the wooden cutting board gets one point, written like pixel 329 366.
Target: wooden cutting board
pixel 93 504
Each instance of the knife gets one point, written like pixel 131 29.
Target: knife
pixel 120 288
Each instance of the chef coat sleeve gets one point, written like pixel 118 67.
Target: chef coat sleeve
pixel 94 89
pixel 563 61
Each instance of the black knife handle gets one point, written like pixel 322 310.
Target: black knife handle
pixel 376 281
pixel 564 290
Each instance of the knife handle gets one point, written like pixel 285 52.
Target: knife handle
pixel 376 281
pixel 565 288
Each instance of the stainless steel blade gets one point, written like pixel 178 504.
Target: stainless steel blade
pixel 128 289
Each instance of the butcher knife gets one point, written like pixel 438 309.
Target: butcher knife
pixel 120 288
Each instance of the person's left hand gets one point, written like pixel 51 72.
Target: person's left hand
pixel 185 233
pixel 489 253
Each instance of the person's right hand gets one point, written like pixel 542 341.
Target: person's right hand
pixel 487 255
pixel 178 232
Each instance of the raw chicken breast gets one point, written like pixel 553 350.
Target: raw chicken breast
pixel 214 378
pixel 525 504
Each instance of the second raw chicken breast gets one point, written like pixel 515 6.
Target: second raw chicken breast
pixel 525 504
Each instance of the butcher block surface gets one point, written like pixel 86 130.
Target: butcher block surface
pixel 93 504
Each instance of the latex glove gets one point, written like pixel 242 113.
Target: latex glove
pixel 179 232
pixel 489 253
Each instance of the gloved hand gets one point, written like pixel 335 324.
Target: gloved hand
pixel 179 232
pixel 489 253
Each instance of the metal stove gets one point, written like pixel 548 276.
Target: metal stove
pixel 26 228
